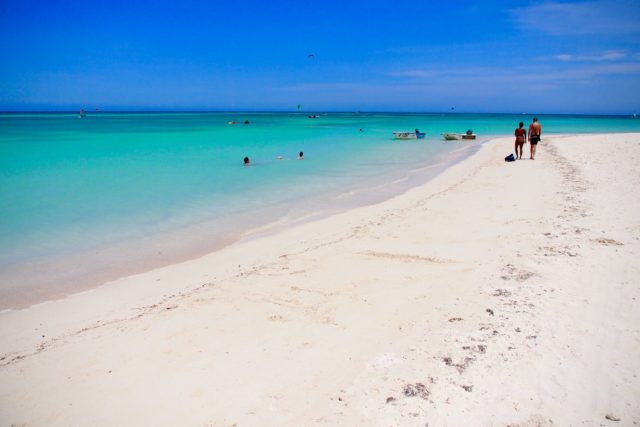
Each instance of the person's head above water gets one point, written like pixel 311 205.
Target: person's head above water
pixel 301 155
pixel 247 161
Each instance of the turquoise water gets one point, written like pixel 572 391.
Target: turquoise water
pixel 69 185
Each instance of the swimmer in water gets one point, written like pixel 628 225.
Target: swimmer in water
pixel 301 156
pixel 247 161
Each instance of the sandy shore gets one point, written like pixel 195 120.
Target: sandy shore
pixel 496 294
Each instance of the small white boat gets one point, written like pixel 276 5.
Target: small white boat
pixel 409 135
pixel 459 136
pixel 452 136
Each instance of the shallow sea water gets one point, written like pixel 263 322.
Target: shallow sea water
pixel 69 186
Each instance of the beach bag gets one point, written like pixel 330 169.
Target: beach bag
pixel 510 158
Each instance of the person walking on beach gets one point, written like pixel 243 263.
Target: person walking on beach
pixel 521 136
pixel 535 130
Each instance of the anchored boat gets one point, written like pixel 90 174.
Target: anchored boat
pixel 409 135
pixel 458 136
pixel 452 136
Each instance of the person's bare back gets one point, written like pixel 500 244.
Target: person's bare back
pixel 535 128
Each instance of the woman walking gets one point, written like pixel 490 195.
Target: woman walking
pixel 521 137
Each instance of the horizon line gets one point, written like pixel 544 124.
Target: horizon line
pixel 155 111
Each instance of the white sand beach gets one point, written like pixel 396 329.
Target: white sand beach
pixel 497 293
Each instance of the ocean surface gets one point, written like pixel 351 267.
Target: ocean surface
pixel 72 186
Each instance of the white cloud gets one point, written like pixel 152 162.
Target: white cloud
pixel 612 55
pixel 590 17
pixel 608 56
pixel 543 74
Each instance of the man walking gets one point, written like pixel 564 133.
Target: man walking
pixel 535 130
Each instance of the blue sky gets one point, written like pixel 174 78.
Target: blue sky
pixel 491 56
